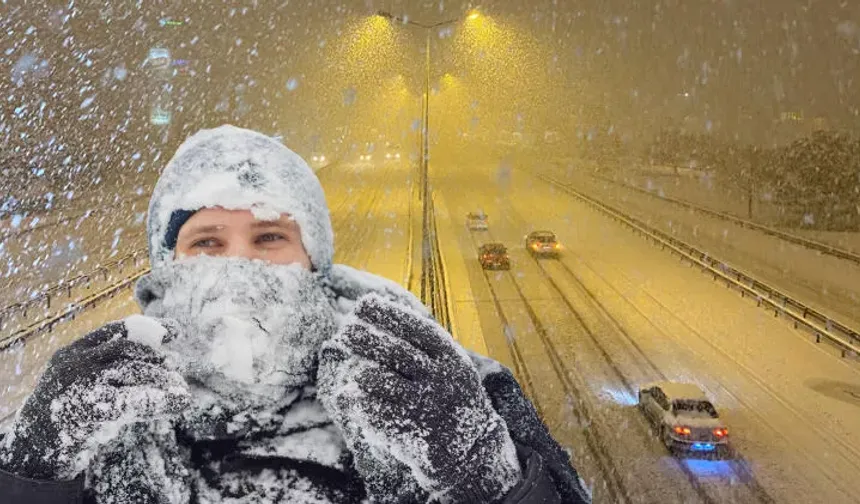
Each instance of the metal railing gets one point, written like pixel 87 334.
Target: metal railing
pixel 62 219
pixel 847 340
pixel 434 287
pixel 70 312
pixel 805 242
pixel 43 223
pixel 47 297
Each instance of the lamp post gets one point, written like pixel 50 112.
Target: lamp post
pixel 427 267
pixel 425 119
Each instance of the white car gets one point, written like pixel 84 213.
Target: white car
pixel 685 418
pixel 477 221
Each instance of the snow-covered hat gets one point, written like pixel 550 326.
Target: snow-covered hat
pixel 238 169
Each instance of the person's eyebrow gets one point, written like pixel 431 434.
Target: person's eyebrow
pixel 289 225
pixel 209 228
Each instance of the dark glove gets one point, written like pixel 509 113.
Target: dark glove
pixel 412 408
pixel 88 392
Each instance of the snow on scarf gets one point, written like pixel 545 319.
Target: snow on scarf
pixel 227 448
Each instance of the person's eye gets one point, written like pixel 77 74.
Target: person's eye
pixel 205 243
pixel 270 238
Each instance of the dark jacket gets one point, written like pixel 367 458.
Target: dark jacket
pixel 547 474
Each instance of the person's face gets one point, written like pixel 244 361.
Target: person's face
pixel 237 233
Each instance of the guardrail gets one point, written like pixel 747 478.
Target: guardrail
pixel 41 224
pixel 805 242
pixel 70 312
pixel 434 287
pixel 44 223
pixel 66 286
pixel 803 316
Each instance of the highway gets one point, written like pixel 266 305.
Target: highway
pixel 616 312
pixel 583 332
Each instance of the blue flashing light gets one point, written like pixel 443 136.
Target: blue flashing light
pixel 703 447
pixel 710 469
pixel 619 396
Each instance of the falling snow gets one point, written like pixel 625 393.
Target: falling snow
pixel 732 126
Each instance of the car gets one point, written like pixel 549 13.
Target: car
pixel 684 417
pixel 477 221
pixel 391 152
pixel 543 244
pixel 318 158
pixel 365 157
pixel 494 256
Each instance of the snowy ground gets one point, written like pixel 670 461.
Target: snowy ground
pixel 370 210
pixel 824 282
pixel 702 190
pixel 617 312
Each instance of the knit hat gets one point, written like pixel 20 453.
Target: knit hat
pixel 238 169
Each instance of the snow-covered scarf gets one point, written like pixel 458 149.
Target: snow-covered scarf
pixel 262 454
pixel 226 450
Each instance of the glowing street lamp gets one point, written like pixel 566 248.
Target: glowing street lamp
pixel 428 28
pixel 425 130
pixel 425 126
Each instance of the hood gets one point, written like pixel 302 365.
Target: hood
pixel 238 169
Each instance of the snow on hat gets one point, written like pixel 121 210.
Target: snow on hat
pixel 238 169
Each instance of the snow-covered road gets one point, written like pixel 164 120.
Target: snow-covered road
pixel 619 312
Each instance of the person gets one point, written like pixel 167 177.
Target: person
pixel 261 372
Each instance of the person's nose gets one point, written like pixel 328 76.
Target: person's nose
pixel 243 249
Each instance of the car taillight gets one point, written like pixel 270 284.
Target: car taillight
pixel 721 432
pixel 683 431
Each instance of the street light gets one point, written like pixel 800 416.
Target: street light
pixel 425 122
pixel 427 266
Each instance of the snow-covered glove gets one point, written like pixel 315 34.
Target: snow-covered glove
pixel 88 392
pixel 412 409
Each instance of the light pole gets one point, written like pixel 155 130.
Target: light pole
pixel 425 119
pixel 427 266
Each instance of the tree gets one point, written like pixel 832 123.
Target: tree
pixel 816 178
